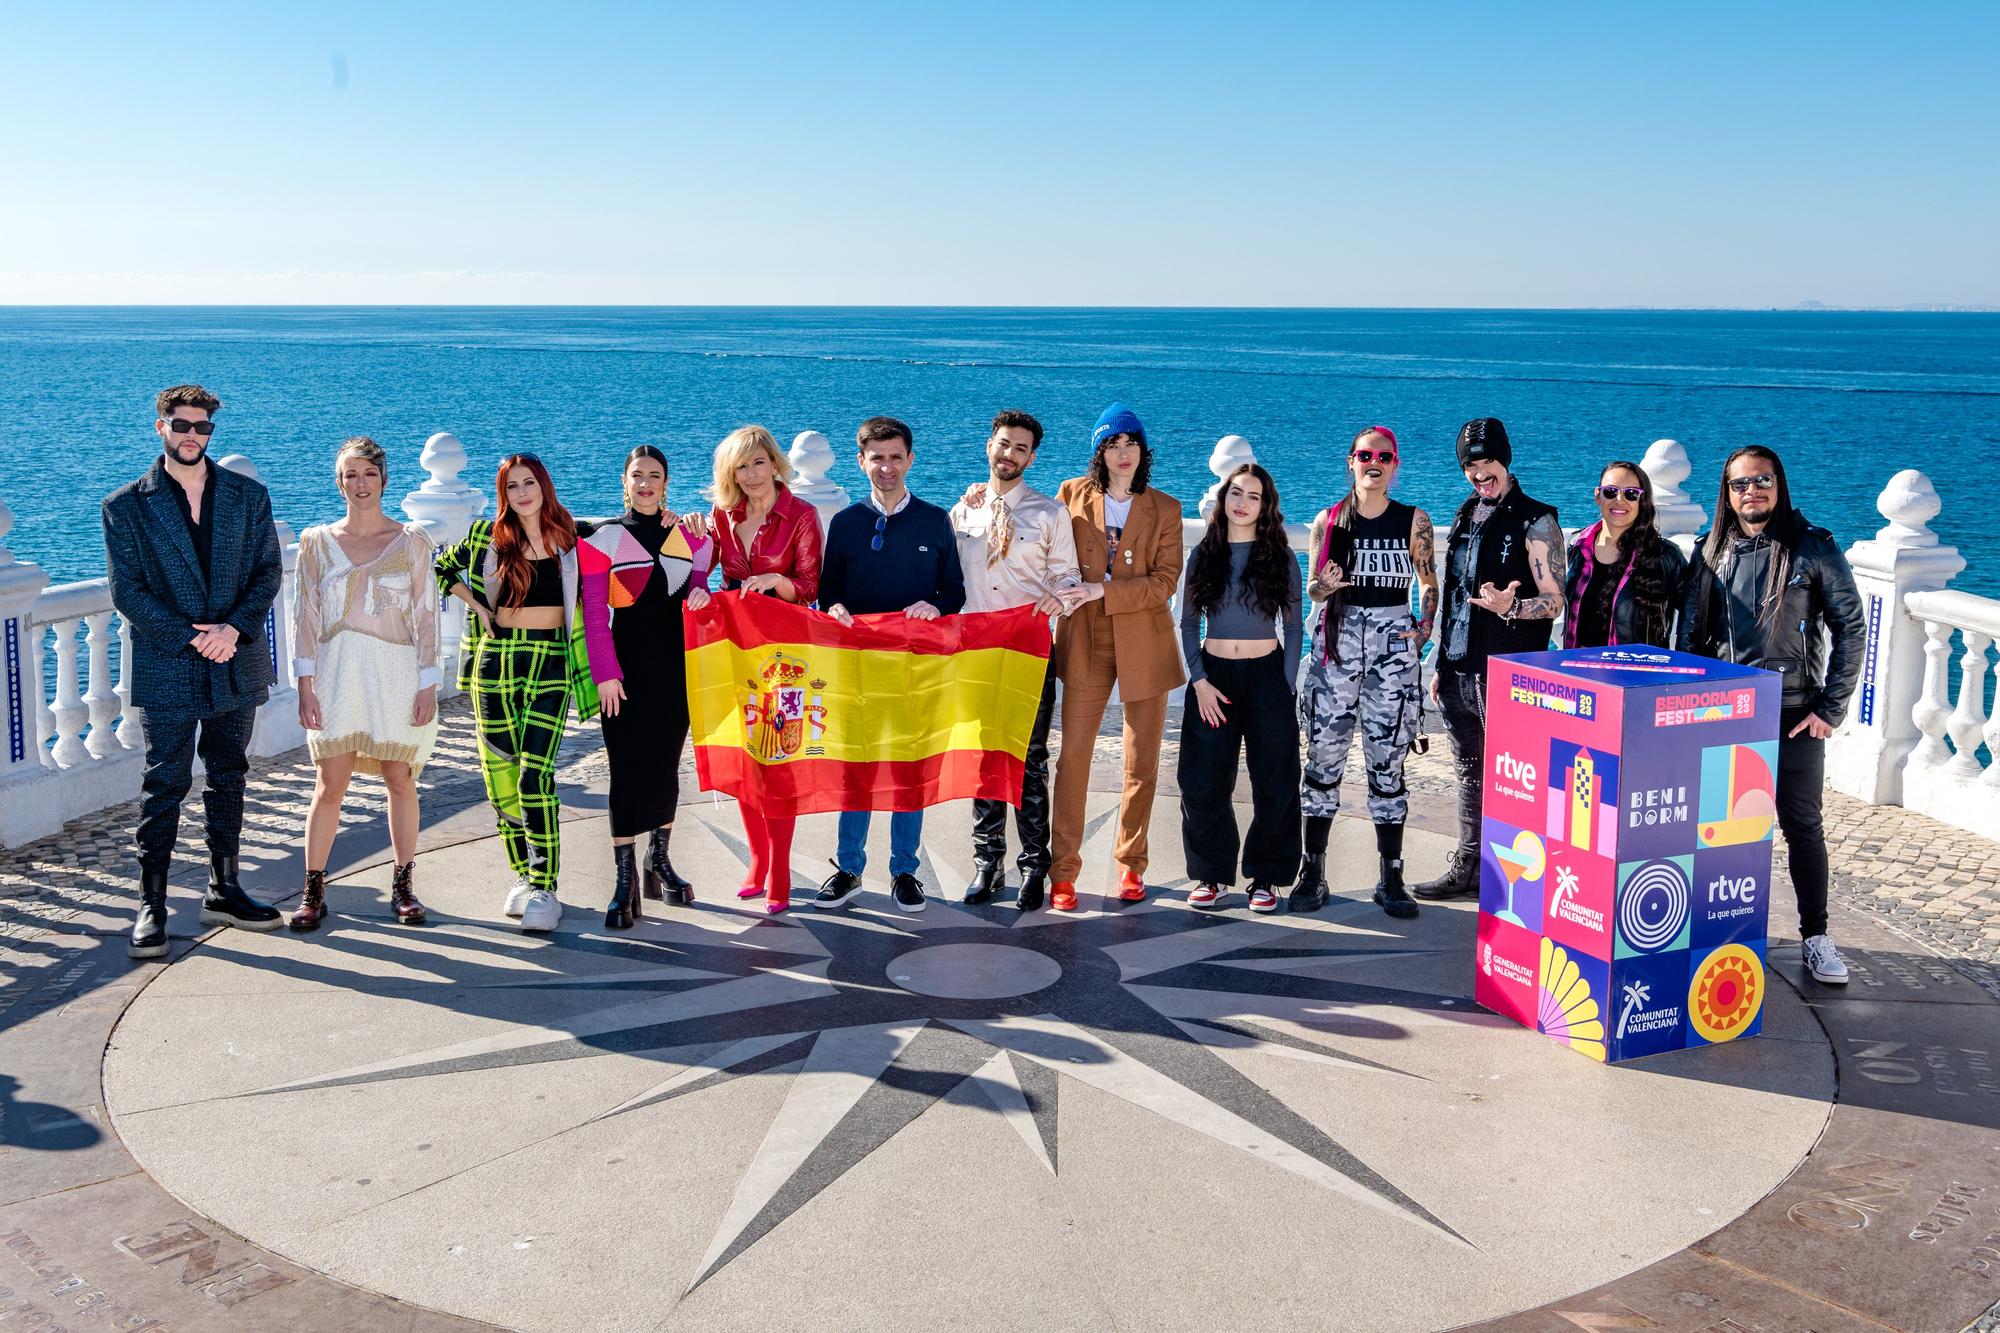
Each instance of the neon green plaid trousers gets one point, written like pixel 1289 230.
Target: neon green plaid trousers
pixel 520 698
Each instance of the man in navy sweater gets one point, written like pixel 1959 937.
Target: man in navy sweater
pixel 890 552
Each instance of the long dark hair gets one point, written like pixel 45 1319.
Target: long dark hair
pixel 510 539
pixel 1100 475
pixel 1781 528
pixel 1641 546
pixel 1270 574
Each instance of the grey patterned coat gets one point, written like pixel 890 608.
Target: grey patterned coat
pixel 158 587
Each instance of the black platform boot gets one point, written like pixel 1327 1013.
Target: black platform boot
pixel 1389 893
pixel 661 881
pixel 149 928
pixel 225 903
pixel 624 907
pixel 1309 894
pixel 1032 883
pixel 988 879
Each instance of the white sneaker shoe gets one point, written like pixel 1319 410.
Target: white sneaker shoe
pixel 1823 961
pixel 541 912
pixel 517 898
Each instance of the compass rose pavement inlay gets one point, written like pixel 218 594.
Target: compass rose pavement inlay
pixel 1340 1052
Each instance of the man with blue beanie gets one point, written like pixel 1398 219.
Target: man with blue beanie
pixel 890 552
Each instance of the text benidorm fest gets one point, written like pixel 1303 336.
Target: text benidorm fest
pixel 1552 696
pixel 1731 705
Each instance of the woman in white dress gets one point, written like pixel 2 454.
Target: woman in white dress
pixel 365 651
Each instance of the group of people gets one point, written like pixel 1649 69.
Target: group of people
pixel 1281 668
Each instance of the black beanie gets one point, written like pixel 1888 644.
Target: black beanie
pixel 1484 438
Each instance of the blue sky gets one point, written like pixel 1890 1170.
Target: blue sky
pixel 1101 154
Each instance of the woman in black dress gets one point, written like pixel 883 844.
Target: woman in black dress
pixel 636 572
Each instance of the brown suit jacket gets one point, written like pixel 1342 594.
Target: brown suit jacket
pixel 1145 570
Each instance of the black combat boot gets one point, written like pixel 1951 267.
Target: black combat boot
pixel 149 929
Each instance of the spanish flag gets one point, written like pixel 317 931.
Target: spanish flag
pixel 796 714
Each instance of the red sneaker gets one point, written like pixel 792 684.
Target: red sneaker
pixel 1131 888
pixel 1062 896
pixel 1204 897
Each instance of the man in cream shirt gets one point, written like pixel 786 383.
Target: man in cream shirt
pixel 1017 550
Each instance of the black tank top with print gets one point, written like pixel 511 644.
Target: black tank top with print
pixel 1375 553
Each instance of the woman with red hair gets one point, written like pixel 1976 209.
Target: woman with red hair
pixel 523 660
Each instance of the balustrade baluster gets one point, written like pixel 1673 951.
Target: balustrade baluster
pixel 100 698
pixel 1968 718
pixel 131 721
pixel 70 712
pixel 45 718
pixel 1933 708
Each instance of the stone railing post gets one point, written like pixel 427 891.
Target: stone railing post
pixel 1865 758
pixel 445 507
pixel 1676 513
pixel 30 802
pixel 277 728
pixel 812 457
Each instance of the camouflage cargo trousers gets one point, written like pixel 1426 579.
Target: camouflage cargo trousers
pixel 1374 683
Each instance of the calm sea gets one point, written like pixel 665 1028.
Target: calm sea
pixel 1848 399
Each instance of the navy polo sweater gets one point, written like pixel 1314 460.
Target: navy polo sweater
pixel 918 561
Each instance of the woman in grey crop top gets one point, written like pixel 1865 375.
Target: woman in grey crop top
pixel 1243 583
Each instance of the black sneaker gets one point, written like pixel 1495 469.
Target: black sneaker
pixel 907 892
pixel 838 890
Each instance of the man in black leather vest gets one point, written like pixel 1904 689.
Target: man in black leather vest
pixel 1502 593
pixel 1771 590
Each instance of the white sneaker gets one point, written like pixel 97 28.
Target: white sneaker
pixel 517 898
pixel 1823 961
pixel 541 912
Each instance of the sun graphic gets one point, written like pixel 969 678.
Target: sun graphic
pixel 1727 993
pixel 1568 1012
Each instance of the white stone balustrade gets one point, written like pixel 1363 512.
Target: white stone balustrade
pixel 1676 515
pixel 1944 776
pixel 446 508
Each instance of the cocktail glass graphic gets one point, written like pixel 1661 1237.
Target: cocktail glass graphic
pixel 1525 859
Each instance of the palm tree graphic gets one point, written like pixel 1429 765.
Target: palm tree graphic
pixel 1636 996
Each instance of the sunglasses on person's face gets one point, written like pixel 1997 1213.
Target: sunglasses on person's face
pixel 178 426
pixel 1763 481
pixel 1382 456
pixel 1632 494
pixel 881 526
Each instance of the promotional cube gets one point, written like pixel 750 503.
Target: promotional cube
pixel 1625 866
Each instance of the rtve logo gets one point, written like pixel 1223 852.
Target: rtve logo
pixel 1516 771
pixel 1723 889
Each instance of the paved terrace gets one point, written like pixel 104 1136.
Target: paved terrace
pixel 1138 1118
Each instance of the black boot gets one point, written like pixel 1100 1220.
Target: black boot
pixel 624 907
pixel 225 903
pixel 1309 894
pixel 988 879
pixel 1459 880
pixel 661 881
pixel 1389 894
pixel 1031 891
pixel 149 928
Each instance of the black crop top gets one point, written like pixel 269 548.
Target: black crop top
pixel 546 588
pixel 1374 553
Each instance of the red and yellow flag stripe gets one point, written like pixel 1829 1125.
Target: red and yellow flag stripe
pixel 797 714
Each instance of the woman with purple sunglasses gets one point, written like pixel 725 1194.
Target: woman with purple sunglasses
pixel 1625 581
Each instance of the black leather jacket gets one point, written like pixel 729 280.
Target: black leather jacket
pixel 1627 613
pixel 1817 637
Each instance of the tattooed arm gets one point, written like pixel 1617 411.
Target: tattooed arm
pixel 1423 554
pixel 1545 546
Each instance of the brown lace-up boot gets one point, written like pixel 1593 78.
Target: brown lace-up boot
pixel 312 903
pixel 403 899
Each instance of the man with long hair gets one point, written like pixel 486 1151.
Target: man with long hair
pixel 1771 590
pixel 195 566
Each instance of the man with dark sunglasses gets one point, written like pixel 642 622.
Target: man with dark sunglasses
pixel 889 553
pixel 195 565
pixel 1771 590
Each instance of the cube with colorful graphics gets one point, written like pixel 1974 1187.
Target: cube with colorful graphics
pixel 1625 858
